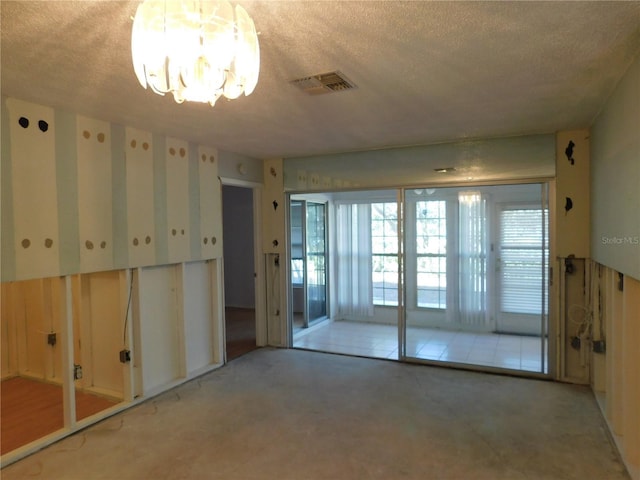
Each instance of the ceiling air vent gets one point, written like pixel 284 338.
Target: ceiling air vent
pixel 324 83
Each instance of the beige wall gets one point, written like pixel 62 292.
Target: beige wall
pixel 615 178
pixel 615 237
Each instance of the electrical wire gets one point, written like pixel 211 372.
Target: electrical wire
pixel 126 315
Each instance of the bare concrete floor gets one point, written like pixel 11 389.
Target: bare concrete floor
pixel 290 414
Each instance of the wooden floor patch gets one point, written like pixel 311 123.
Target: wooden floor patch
pixel 33 409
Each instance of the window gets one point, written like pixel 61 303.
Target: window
pixel 297 271
pixel 431 254
pixel 384 249
pixel 521 260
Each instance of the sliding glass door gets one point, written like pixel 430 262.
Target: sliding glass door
pixel 315 265
pixel 455 274
pixel 475 276
pixel 308 240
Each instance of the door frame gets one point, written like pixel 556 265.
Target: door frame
pixel 258 265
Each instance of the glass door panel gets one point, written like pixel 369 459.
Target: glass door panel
pixel 363 278
pixel 315 265
pixel 475 276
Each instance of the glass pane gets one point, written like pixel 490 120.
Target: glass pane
pixel 316 252
pixel 475 274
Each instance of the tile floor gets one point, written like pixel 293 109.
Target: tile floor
pixel 513 352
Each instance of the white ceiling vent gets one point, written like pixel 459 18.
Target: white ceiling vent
pixel 324 83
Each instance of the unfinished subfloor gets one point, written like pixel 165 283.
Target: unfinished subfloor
pixel 290 414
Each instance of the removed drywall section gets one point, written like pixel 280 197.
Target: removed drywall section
pixel 615 179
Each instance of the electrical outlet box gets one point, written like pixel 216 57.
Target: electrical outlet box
pixel 575 343
pixel 125 356
pixel 599 346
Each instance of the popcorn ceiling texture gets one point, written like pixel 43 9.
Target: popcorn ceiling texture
pixel 425 72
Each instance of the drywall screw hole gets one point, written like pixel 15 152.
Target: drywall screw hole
pixel 86 134
pixel 182 231
pixel 101 137
pixel 24 122
pixel 26 243
pixel 213 240
pixel 204 157
pixel 172 151
pixel 89 244
pixel 103 244
pixel 173 232
pixel 133 143
pixel 183 152
pixel 147 239
pixel 205 240
pixel 135 241
pixel 48 243
pixel 145 146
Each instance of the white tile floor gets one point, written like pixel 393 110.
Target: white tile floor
pixel 513 352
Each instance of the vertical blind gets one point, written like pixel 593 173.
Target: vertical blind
pixel 524 251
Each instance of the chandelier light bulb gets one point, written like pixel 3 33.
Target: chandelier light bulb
pixel 197 50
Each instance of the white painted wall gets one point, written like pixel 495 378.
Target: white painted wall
pixel 511 158
pixel 615 178
pixel 615 242
pixel 159 334
pixel 198 319
pixel 93 144
pixel 35 193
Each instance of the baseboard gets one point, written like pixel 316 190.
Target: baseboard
pixel 601 400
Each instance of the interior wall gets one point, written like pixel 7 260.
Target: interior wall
pixel 615 139
pixel 100 333
pixel 98 203
pixel 81 195
pixel 159 326
pixel 512 158
pixel 198 316
pixel 615 239
pixel 32 312
pixel 237 214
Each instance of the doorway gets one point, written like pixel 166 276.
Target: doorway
pixel 308 243
pixel 452 274
pixel 239 270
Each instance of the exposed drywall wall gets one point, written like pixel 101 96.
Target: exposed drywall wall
pixel 81 195
pixel 615 178
pixel 572 193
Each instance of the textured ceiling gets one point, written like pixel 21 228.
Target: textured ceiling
pixel 426 72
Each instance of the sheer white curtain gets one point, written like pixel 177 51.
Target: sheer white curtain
pixel 355 288
pixel 472 259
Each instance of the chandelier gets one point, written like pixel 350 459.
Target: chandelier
pixel 197 50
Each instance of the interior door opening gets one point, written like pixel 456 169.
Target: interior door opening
pixel 239 266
